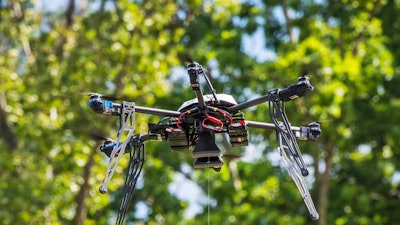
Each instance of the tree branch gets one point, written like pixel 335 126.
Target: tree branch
pixel 6 129
pixel 17 9
pixel 69 14
pixel 288 21
pixel 361 36
pixel 323 185
pixel 81 208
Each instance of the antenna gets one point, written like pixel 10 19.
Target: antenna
pixel 194 69
pixel 212 90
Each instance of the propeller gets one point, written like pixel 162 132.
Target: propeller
pixel 98 95
pixel 108 143
pixel 99 137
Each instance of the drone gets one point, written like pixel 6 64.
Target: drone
pixel 194 125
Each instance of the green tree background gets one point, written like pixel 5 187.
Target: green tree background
pixel 51 167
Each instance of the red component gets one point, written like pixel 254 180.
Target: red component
pixel 179 121
pixel 218 123
pixel 226 114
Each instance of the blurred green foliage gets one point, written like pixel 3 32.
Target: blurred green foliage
pixel 51 53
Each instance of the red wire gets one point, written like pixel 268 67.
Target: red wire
pixel 179 120
pixel 210 118
pixel 213 120
pixel 225 113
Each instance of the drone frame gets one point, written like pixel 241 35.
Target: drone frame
pixel 134 144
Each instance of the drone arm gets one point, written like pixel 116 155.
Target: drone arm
pixel 108 107
pixel 147 110
pixel 105 107
pixel 296 90
pixel 290 93
pixel 248 104
pixel 304 133
pixel 157 112
pixel 262 125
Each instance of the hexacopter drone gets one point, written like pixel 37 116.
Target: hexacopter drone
pixel 195 124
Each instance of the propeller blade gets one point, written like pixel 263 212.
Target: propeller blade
pixel 99 137
pixel 105 97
